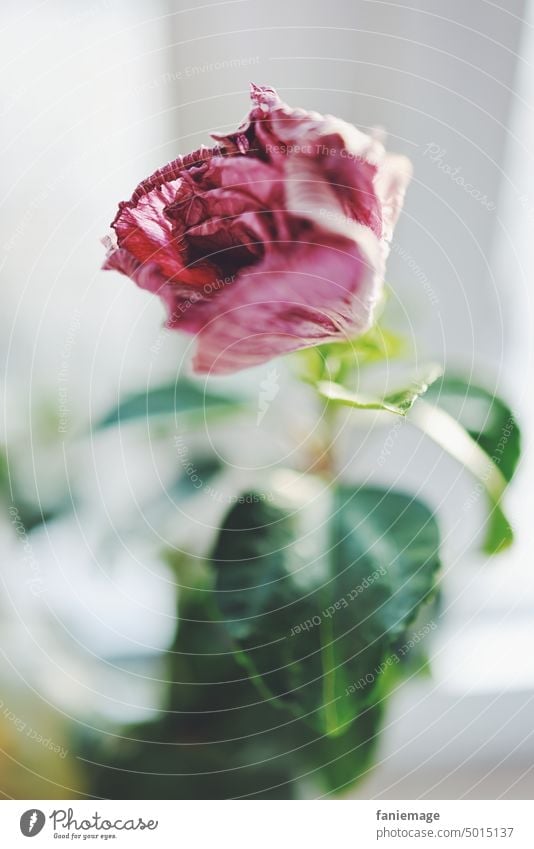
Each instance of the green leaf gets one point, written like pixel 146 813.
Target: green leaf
pixel 336 361
pixel 216 739
pixel 337 762
pixel 316 593
pixel 480 431
pixel 487 419
pixel 181 396
pixel 399 402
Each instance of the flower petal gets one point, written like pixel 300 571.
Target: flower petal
pixel 303 294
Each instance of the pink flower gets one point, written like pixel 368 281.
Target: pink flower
pixel 273 240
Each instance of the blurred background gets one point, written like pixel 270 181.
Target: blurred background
pixel 98 527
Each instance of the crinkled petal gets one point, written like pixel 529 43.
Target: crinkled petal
pixel 146 232
pixel 303 294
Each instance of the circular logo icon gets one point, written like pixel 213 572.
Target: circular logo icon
pixel 32 822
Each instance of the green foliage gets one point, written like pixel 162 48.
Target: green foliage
pixel 316 605
pixel 181 396
pixel 399 401
pixel 264 701
pixel 487 419
pixel 338 361
pixel 217 739
pixel 480 431
pixel 291 640
pixel 471 424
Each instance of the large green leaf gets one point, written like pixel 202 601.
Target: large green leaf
pixel 216 738
pixel 480 431
pixel 181 396
pixel 317 594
